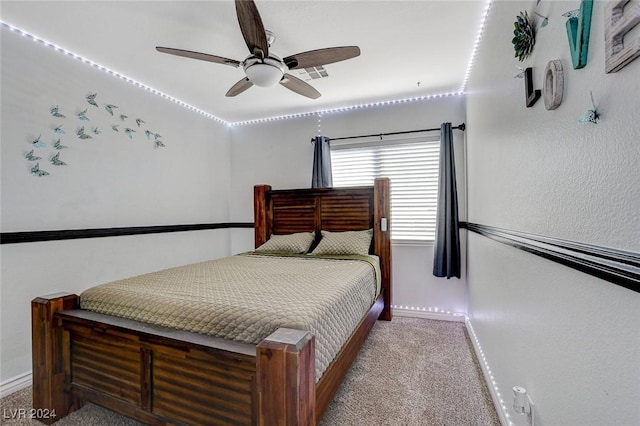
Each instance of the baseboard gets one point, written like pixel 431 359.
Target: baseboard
pixel 15 384
pixel 496 396
pixel 428 313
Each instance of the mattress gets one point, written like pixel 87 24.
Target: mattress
pixel 247 297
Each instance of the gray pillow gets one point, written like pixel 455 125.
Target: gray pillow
pixel 348 242
pixel 291 243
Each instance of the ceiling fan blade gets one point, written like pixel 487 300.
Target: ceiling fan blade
pixel 198 55
pixel 300 87
pixel 239 87
pixel 314 58
pixel 252 28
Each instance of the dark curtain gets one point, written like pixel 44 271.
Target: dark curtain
pixel 446 256
pixel 321 177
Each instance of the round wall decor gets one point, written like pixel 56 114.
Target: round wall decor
pixel 553 84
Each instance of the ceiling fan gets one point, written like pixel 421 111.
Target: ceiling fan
pixel 263 68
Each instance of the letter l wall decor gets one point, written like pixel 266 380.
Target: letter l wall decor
pixel 578 30
pixel 532 95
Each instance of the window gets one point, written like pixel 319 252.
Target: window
pixel 411 164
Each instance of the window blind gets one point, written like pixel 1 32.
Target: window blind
pixel 411 164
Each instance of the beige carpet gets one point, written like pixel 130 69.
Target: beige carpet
pixel 410 372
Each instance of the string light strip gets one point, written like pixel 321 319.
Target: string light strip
pixel 488 373
pixel 479 351
pixel 476 44
pixel 346 108
pixel 109 71
pixel 435 310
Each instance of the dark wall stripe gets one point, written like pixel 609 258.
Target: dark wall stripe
pixel 617 266
pixel 72 234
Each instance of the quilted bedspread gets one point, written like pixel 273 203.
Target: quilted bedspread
pixel 247 297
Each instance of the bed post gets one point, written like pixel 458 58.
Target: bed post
pixel 261 214
pixel 286 379
pixel 50 355
pixel 382 231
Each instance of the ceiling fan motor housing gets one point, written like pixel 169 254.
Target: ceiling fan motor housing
pixel 266 72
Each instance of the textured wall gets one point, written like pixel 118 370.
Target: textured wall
pixel 572 340
pixel 109 181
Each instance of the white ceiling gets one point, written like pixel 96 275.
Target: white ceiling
pixel 409 48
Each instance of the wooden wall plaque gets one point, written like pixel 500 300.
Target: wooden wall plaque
pixel 619 20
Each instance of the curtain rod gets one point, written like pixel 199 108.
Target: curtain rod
pixel 461 126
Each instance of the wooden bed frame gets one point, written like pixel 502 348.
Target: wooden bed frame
pixel 164 376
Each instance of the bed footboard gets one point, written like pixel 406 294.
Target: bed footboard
pixel 161 376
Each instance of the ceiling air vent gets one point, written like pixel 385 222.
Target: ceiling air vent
pixel 313 73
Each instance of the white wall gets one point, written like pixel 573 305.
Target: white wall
pixel 279 153
pixel 109 181
pixel 571 339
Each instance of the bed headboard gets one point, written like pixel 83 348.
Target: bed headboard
pixel 330 209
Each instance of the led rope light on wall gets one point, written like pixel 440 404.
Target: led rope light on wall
pixel 347 108
pixel 479 351
pixel 476 44
pixel 109 71
pixel 489 373
pixel 429 309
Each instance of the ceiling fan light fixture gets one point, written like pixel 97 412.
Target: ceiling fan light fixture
pixel 264 74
